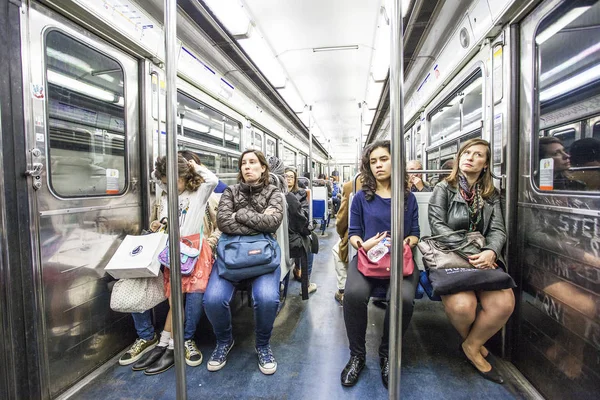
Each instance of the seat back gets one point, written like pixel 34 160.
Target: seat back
pixel 423 204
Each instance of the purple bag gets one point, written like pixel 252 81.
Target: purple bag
pixel 189 254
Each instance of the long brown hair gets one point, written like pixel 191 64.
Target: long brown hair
pixel 369 183
pixel 293 170
pixel 192 179
pixel 485 177
pixel 264 177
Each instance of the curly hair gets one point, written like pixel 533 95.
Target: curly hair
pixel 369 183
pixel 192 179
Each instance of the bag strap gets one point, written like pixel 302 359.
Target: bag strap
pixel 459 232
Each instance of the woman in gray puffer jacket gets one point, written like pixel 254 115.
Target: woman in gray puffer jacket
pixel 250 207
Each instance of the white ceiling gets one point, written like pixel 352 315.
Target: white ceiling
pixel 333 82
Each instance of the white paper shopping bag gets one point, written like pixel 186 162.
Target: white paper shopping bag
pixel 137 256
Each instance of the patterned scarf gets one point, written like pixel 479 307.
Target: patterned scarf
pixel 474 200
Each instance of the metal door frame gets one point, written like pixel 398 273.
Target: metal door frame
pixel 32 48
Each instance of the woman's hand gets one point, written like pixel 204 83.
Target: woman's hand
pixel 372 242
pixel 411 241
pixel 484 260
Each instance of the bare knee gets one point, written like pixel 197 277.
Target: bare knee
pixel 460 306
pixel 500 302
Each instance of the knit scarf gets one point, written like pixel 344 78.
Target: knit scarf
pixel 474 200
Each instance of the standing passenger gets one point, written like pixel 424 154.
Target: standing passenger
pixel 370 223
pixel 468 200
pixel 300 194
pixel 195 185
pixel 251 206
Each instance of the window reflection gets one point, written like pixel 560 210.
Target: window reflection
pixel 86 119
pixel 569 91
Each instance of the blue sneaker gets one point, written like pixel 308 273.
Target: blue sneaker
pixel 218 358
pixel 266 361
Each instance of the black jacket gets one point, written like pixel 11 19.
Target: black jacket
pixel 448 212
pixel 242 208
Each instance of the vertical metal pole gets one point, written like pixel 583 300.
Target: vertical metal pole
pixel 397 138
pixel 310 164
pixel 359 144
pixel 173 201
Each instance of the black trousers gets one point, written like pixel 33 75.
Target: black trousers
pixel 356 298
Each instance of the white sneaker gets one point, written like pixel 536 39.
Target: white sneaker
pixel 266 361
pixel 312 287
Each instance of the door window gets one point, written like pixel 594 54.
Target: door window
pixel 568 75
pixel 86 119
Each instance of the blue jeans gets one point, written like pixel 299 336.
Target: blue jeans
pixel 265 300
pixel 310 257
pixel 192 315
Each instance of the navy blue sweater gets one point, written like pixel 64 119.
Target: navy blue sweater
pixel 367 218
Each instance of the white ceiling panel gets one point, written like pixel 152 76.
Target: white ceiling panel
pixel 333 82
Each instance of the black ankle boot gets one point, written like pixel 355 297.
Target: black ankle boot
pixel 149 358
pixel 384 363
pixel 352 370
pixel 166 361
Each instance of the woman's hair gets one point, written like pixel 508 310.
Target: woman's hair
pixel 485 177
pixel 190 155
pixel 369 183
pixel 293 170
pixel 264 177
pixel 192 179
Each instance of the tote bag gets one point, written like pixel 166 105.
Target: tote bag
pixel 137 295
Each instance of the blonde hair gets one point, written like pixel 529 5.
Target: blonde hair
pixel 485 177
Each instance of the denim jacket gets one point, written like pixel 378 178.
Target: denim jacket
pixel 448 211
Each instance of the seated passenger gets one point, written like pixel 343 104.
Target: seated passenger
pixel 298 221
pixel 586 153
pixel 195 185
pixel 552 147
pixel 468 200
pixel 370 223
pixel 251 206
pixel 417 184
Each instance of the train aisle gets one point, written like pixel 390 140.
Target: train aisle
pixel 310 345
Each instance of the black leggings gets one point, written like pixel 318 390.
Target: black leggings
pixel 356 298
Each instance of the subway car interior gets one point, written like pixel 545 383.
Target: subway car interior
pixel 94 92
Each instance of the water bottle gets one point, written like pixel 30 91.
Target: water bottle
pixel 379 250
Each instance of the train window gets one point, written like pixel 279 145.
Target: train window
pixel 271 149
pixel 289 157
pixel 303 164
pixel 202 123
pixel 596 130
pixel 472 102
pixel 407 146
pixel 86 119
pixel 459 110
pixel 568 78
pixel 257 138
pixel 445 121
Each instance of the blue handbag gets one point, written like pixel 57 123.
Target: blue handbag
pixel 248 256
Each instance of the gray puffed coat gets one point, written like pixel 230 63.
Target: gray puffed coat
pixel 242 208
pixel 448 211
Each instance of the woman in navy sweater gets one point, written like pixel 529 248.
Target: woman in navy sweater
pixel 370 222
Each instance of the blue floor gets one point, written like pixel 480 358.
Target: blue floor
pixel 310 345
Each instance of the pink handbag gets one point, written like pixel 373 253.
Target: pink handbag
pixel 381 268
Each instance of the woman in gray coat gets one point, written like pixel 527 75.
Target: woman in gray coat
pixel 468 200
